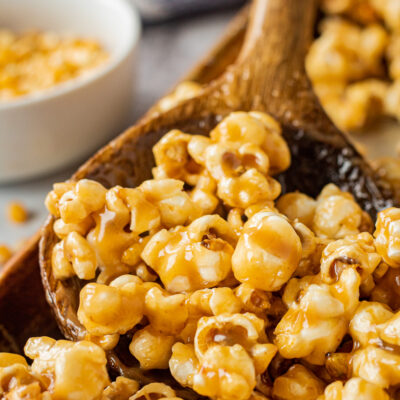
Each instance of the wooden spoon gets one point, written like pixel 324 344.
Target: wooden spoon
pixel 268 76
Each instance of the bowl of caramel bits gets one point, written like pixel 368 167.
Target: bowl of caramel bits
pixel 58 71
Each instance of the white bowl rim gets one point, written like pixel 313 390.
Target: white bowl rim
pixel 87 79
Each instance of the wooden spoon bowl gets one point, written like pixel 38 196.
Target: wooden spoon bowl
pixel 268 76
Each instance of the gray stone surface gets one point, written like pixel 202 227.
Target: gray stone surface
pixel 167 51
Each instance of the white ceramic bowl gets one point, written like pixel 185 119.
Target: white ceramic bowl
pixel 45 131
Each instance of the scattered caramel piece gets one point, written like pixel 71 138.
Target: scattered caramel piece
pixel 5 254
pixel 17 213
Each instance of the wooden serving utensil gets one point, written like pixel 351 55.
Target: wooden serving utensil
pixel 269 76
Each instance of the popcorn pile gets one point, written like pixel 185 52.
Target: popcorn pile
pixel 239 293
pixel 347 62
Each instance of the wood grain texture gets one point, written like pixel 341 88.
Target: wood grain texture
pixel 268 75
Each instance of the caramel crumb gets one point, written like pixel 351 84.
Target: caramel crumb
pixel 5 254
pixel 17 213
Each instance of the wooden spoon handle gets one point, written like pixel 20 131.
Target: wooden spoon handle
pixel 270 73
pixel 278 37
